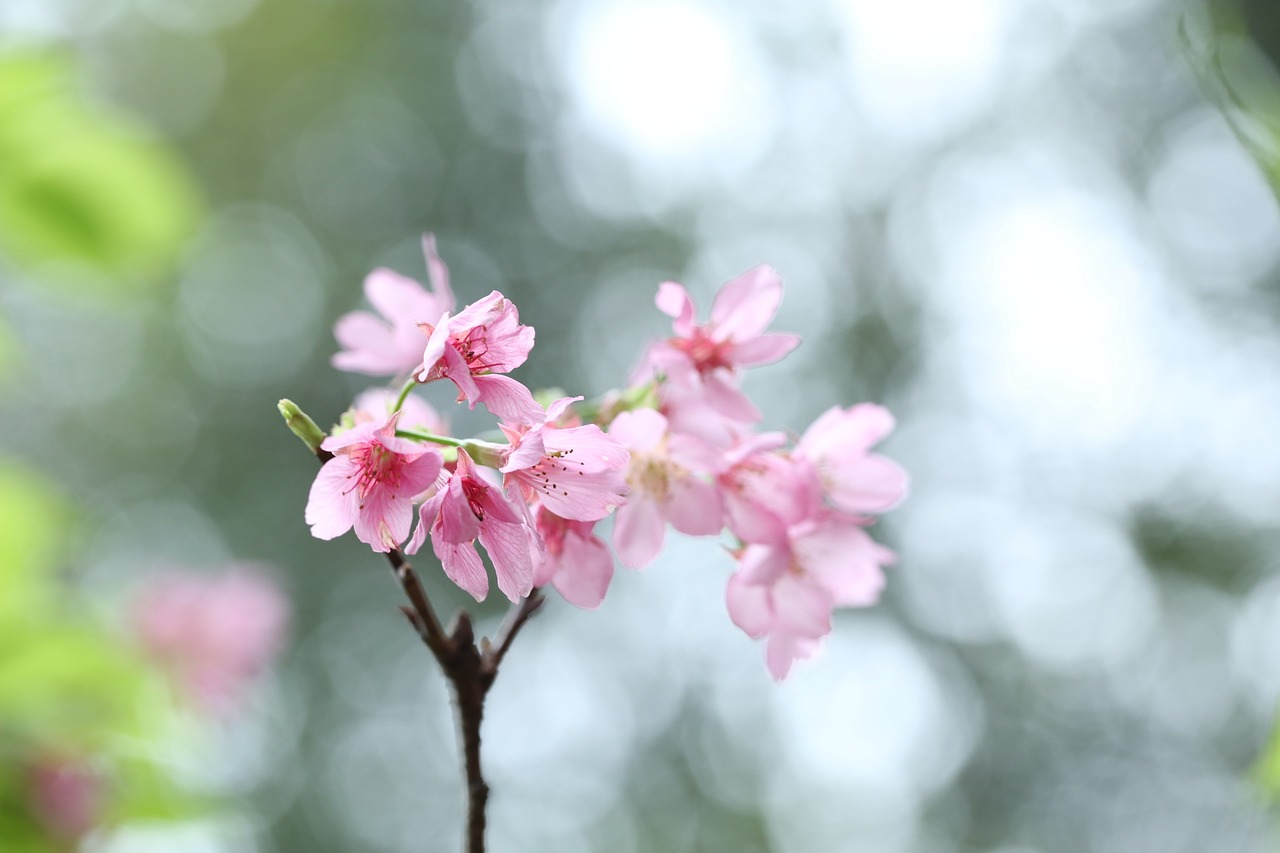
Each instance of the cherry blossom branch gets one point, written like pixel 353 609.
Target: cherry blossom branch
pixel 470 667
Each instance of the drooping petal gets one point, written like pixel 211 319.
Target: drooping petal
pixel 463 566
pixel 511 551
pixel 783 650
pixel 749 606
pixel 506 398
pixel 585 569
pixel 457 522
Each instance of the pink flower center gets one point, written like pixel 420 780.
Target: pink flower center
pixel 473 348
pixel 705 352
pixel 475 492
pixel 379 467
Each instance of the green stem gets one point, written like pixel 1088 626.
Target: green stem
pixel 430 436
pixel 404 393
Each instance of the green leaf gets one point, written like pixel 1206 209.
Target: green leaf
pixel 33 529
pixel 1237 76
pixel 1266 772
pixel 86 196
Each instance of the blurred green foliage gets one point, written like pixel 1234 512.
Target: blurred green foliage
pixel 86 196
pixel 69 685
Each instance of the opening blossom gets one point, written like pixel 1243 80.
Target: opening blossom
pixel 474 348
pixel 676 446
pixel 369 484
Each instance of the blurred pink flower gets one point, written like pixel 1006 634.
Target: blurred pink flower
pixel 370 484
pixel 213 634
pixel 669 478
pixel 702 361
pixel 786 590
pixel 467 508
pixel 838 444
pixel 392 344
pixel 575 561
pixel 65 795
pixel 471 349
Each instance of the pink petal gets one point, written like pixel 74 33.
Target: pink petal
pixel 845 561
pixel 384 520
pixel 846 433
pixel 694 507
pixel 783 650
pixel 437 273
pixel 510 550
pixel 585 570
pixel 638 532
pixel 673 300
pixel 332 504
pixel 437 343
pixel 749 606
pixel 463 566
pixel 722 392
pixel 400 298
pixel 427 515
pixel 526 452
pixel 763 565
pixel 458 522
pixel 507 398
pixel 640 431
pixel 745 305
pixel 763 349
pixel 458 371
pixel 368 345
pixel 873 483
pixel 802 608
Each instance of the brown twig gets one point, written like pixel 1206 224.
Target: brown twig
pixel 470 667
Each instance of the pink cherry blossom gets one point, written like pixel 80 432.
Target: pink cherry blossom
pixel 786 590
pixel 392 344
pixel 576 561
pixel 213 634
pixel 472 349
pixel 740 312
pixel 838 444
pixel 370 484
pixel 467 508
pixel 576 472
pixel 669 478
pixel 65 795
pixel 733 338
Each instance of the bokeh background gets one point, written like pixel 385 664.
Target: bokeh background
pixel 1040 231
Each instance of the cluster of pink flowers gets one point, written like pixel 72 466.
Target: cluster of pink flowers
pixel 677 446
